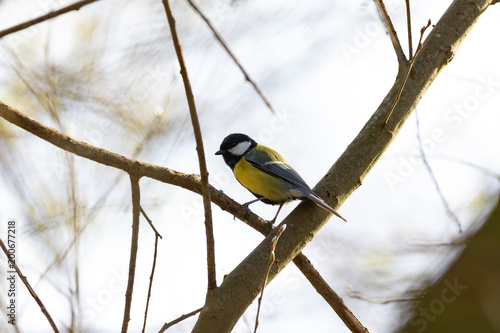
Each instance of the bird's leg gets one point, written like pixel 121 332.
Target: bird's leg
pixel 275 217
pixel 249 203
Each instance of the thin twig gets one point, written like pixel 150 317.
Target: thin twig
pixel 224 45
pixel 150 222
pixel 449 212
pixel 178 320
pixel 410 66
pixel 462 241
pixel 392 34
pixel 212 281
pixel 157 235
pixel 483 170
pixel 150 282
pixel 272 259
pixel 408 23
pixel 28 286
pixel 136 204
pixel 48 16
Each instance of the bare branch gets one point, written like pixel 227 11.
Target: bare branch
pixel 165 175
pixel 157 235
pixel 407 75
pixel 150 282
pixel 194 181
pixel 408 23
pixel 64 10
pixel 212 281
pixel 178 320
pixel 224 45
pixel 136 211
pixel 28 286
pixel 330 296
pixel 141 169
pixel 272 259
pixel 150 223
pixel 449 212
pixel 189 182
pixel 224 308
pixel 403 62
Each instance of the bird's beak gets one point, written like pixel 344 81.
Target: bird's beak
pixel 219 152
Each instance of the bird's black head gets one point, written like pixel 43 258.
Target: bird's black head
pixel 234 146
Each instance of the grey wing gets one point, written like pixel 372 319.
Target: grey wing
pixel 279 169
pixel 286 172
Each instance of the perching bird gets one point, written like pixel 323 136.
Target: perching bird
pixel 266 174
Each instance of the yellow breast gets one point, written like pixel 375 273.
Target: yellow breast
pixel 261 183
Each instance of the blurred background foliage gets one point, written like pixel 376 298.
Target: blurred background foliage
pixel 467 297
pixel 107 75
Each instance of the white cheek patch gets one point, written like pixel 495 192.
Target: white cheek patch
pixel 240 148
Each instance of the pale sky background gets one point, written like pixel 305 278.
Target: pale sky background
pixel 325 66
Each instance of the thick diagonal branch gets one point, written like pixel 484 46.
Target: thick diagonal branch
pixel 223 309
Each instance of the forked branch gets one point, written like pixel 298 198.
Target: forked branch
pixel 403 62
pixel 165 175
pixel 225 308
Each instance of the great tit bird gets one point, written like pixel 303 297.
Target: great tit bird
pixel 266 174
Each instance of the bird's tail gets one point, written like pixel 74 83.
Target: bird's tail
pixel 317 200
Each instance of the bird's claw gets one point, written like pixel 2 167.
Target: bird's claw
pixel 247 210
